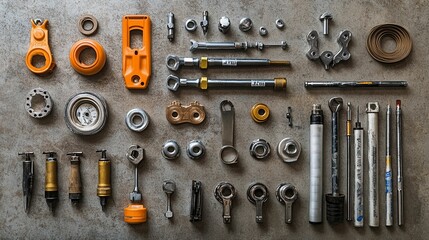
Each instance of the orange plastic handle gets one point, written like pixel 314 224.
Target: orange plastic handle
pixel 136 63
pixel 135 214
pixel 39 46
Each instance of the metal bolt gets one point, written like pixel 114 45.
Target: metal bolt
pixel 325 17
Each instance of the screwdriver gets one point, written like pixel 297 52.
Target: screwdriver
pixel 75 186
pixel 388 173
pixel 104 189
pixel 335 200
pixel 27 178
pixel 349 160
pixel 51 180
pixel 174 62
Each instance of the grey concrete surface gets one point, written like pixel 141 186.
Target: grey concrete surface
pixel 20 132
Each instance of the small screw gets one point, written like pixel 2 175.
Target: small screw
pixel 325 17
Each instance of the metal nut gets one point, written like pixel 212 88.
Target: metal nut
pixel 260 112
pixel 39 95
pixel 135 154
pixel 137 120
pixel 289 150
pixel 263 31
pixel 191 25
pixel 195 149
pixel 224 24
pixel 245 24
pixel 280 24
pixel 260 149
pixel 170 150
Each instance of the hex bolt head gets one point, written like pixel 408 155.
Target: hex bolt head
pixel 325 17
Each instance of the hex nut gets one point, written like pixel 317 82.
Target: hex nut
pixel 260 149
pixel 170 150
pixel 195 149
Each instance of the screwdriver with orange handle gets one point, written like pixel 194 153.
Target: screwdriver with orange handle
pixel 135 213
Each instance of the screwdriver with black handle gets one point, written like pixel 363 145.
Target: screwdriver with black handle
pixel 51 180
pixel 27 178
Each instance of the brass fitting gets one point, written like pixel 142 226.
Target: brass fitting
pixel 51 180
pixel 104 189
pixel 193 113
pixel 260 112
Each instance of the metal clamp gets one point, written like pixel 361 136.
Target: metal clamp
pixel 34 97
pixel 343 41
pixel 257 193
pixel 260 149
pixel 228 153
pixel 195 149
pixel 194 113
pixel 137 120
pixel 224 193
pixel 288 150
pixel 170 150
pixel 286 194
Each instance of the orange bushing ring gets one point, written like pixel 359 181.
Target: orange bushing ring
pixel 39 46
pixel 260 112
pixel 82 68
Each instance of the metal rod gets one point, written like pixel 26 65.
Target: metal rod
pixel 358 189
pixel 388 172
pixel 354 84
pixel 349 157
pixel 399 162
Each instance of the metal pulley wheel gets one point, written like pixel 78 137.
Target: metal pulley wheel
pixel 86 113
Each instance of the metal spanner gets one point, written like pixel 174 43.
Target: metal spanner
pixel 169 186
pixel 228 153
pixel 135 155
pixel 257 193
pixel 287 194
pixel 224 193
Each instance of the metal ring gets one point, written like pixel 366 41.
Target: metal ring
pixel 137 120
pixel 263 31
pixel 257 192
pixel 260 149
pixel 81 24
pixel 195 149
pixel 260 112
pixel 220 190
pixel 191 25
pixel 280 24
pixel 286 192
pixel 170 150
pixel 47 107
pixel 228 154
pixel 86 113
pixel 289 150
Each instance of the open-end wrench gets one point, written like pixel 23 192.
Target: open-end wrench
pixel 174 62
pixel 287 194
pixel 232 45
pixel 335 200
pixel 169 186
pixel 174 82
pixel 224 193
pixel 257 193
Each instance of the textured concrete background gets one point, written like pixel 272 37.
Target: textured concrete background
pixel 20 132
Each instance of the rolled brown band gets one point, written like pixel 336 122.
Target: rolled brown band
pixel 81 25
pixel 399 34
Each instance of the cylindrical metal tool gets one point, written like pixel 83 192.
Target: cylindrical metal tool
pixel 335 200
pixel 358 189
pixel 316 165
pixel 174 62
pixel 174 82
pixel 349 161
pixel 27 178
pixel 104 189
pixel 75 185
pixel 388 172
pixel 51 180
pixel 170 26
pixel 354 84
pixel 399 163
pixel 232 45
pixel 372 111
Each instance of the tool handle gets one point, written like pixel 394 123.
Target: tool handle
pixel 335 153
pixel 358 186
pixel 389 193
pixel 27 177
pixel 74 178
pixel 316 173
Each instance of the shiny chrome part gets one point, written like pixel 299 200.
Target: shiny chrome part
pixel 228 153
pixel 224 193
pixel 257 193
pixel 280 24
pixel 191 25
pixel 288 150
pixel 137 120
pixel 260 149
pixel 245 24
pixel 263 31
pixel 195 149
pixel 170 150
pixel 287 194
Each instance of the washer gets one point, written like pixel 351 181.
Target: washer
pixel 280 24
pixel 191 25
pixel 86 113
pixel 85 19
pixel 137 120
pixel 47 107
